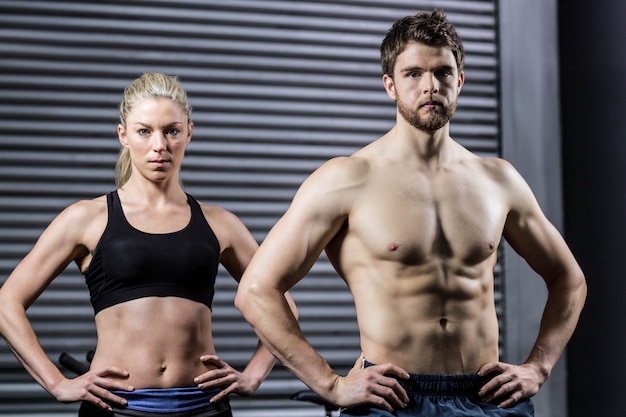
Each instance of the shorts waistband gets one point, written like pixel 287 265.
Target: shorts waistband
pixel 445 384
pixel 166 400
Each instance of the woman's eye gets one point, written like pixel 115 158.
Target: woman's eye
pixel 143 132
pixel 172 132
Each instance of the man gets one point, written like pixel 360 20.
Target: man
pixel 412 223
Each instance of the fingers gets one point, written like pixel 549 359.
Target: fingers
pixel 490 368
pixel 222 376
pixel 390 397
pixel 213 360
pixel 111 371
pixel 101 384
pixel 390 390
pixel 390 369
pixel 511 384
pixel 511 401
pixel 214 377
pixel 103 398
pixel 222 394
pixel 387 372
pixel 110 378
pixel 376 385
pixel 498 387
pixel 99 402
pixel 95 387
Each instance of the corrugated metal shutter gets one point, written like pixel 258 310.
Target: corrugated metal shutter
pixel 277 87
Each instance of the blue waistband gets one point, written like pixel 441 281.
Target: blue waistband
pixel 167 400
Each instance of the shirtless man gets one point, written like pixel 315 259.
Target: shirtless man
pixel 412 223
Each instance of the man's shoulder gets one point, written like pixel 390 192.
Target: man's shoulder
pixel 353 161
pixel 498 169
pixel 335 183
pixel 343 168
pixel 507 178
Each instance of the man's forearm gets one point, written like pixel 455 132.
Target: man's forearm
pixel 558 323
pixel 277 327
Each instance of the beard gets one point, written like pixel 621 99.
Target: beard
pixel 433 119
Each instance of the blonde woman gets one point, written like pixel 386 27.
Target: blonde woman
pixel 150 254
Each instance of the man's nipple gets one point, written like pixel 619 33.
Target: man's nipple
pixel 393 246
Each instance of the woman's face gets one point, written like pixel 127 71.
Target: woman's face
pixel 156 134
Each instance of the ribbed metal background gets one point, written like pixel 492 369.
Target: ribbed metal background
pixel 277 87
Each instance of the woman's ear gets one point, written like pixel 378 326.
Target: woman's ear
pixel 190 131
pixel 121 135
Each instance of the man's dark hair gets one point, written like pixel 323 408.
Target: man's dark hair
pixel 432 29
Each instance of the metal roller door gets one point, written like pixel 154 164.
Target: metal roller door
pixel 277 87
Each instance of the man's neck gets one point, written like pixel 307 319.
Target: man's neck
pixel 431 147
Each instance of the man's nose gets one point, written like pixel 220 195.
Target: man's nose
pixel 431 85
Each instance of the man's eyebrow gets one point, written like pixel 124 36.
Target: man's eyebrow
pixel 412 69
pixel 420 69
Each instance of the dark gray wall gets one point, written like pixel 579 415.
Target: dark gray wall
pixel 593 64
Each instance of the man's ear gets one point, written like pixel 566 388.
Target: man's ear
pixel 390 86
pixel 121 135
pixel 460 82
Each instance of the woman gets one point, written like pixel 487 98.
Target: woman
pixel 149 253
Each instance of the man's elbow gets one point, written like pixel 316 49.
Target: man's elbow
pixel 242 300
pixel 248 299
pixel 582 289
pixel 575 287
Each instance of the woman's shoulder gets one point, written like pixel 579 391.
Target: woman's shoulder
pixel 87 209
pixel 83 218
pixel 217 215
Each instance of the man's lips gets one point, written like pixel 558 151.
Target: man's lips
pixel 431 104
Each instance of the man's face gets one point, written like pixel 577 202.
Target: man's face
pixel 425 85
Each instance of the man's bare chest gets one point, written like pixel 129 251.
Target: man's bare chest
pixel 414 221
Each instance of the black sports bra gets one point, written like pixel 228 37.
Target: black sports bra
pixel 129 264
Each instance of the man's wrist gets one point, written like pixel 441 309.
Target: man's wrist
pixel 542 370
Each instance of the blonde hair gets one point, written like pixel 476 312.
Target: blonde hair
pixel 148 86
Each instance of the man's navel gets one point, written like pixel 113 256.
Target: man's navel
pixel 443 322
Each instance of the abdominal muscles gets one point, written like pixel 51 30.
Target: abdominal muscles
pixel 158 340
pixel 428 323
